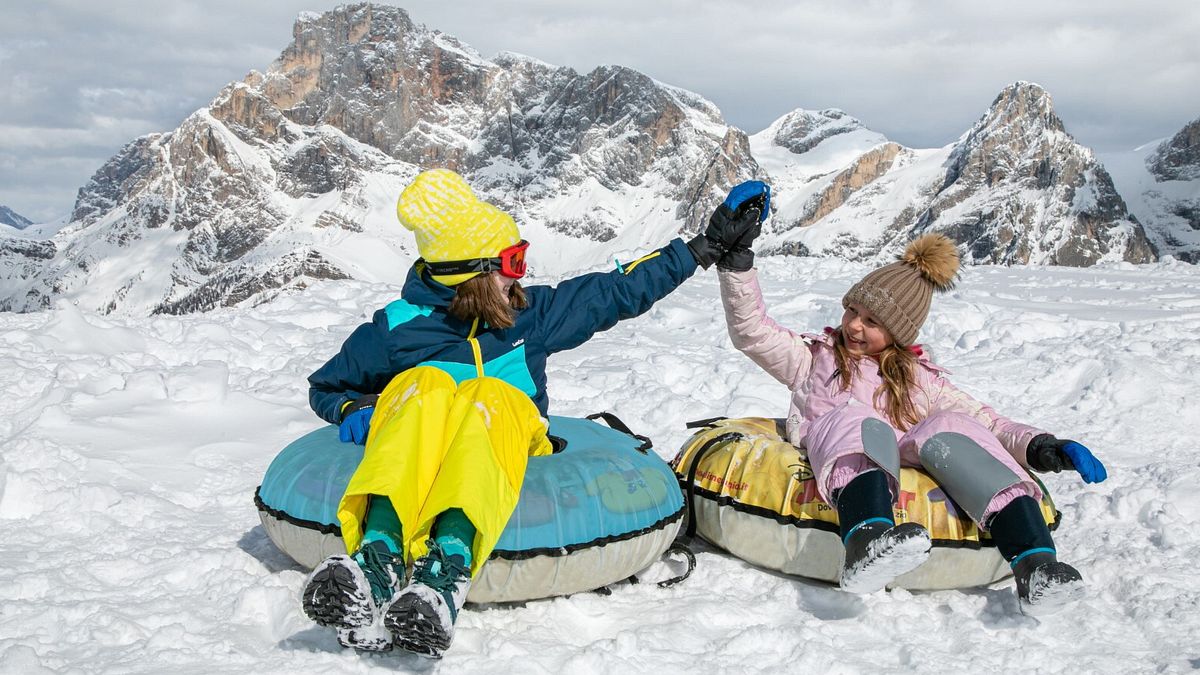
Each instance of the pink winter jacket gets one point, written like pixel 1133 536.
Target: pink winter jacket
pixel 806 364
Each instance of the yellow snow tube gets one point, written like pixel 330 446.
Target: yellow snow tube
pixel 753 493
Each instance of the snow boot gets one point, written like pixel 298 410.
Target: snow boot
pixel 1045 585
pixel 346 592
pixel 422 617
pixel 878 552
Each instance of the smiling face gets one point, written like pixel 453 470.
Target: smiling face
pixel 862 334
pixel 503 283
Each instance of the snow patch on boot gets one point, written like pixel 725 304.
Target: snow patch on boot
pixel 338 595
pixel 875 555
pixel 1051 587
pixel 422 617
pixel 420 621
pixel 370 638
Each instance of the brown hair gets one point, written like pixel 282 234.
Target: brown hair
pixel 896 367
pixel 479 298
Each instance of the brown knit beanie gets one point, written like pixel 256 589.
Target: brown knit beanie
pixel 898 294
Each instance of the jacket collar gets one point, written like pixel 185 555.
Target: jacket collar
pixel 421 289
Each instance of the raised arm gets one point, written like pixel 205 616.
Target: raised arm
pixel 784 354
pixel 578 308
pixel 581 307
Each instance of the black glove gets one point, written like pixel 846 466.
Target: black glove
pixel 734 225
pixel 740 258
pixel 1047 453
pixel 364 401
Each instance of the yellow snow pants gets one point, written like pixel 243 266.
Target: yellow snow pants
pixel 435 445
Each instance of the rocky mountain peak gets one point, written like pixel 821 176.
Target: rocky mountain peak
pixel 1021 148
pixel 1024 104
pixel 1178 158
pixel 289 172
pixel 369 71
pixel 802 130
pixel 13 219
pixel 1021 122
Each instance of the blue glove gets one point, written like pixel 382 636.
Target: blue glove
pixel 1047 453
pixel 356 420
pixel 755 190
pixel 1085 462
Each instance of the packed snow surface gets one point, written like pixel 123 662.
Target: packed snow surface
pixel 132 448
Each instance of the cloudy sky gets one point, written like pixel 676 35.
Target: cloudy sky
pixel 79 79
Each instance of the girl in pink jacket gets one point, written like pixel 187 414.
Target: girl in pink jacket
pixel 866 401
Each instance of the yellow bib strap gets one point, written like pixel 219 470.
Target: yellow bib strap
pixel 475 348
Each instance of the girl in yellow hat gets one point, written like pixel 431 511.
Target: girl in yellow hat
pixel 447 388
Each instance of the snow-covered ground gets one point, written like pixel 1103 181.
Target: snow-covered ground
pixel 132 448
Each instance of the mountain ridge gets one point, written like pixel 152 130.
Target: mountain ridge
pixel 290 175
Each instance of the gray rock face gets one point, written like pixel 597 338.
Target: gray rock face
pixel 1179 160
pixel 13 219
pixel 23 258
pixel 521 129
pixel 1179 157
pixel 1019 189
pixel 803 130
pixel 1162 187
pixel 226 209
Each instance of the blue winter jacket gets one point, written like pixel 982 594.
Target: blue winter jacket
pixel 417 330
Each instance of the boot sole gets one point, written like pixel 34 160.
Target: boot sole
pixel 334 599
pixel 901 555
pixel 416 628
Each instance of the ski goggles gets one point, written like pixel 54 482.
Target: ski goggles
pixel 510 263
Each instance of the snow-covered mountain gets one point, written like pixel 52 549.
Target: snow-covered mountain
pixel 13 219
pixel 1161 182
pixel 291 175
pixel 1015 188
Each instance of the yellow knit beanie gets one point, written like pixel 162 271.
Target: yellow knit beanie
pixel 451 223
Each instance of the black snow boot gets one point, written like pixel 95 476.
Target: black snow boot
pixel 1044 585
pixel 347 592
pixel 422 617
pixel 877 550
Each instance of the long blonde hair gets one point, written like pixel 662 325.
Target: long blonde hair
pixel 479 298
pixel 897 367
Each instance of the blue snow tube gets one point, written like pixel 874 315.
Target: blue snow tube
pixel 598 510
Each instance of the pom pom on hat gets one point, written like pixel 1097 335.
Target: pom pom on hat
pixel 451 223
pixel 898 295
pixel 935 257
